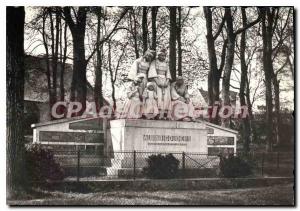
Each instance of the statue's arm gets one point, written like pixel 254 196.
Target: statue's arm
pixel 186 94
pixel 132 91
pixel 174 94
pixel 133 70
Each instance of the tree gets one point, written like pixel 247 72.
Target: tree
pixel 98 94
pixel 49 24
pixel 178 37
pixel 154 11
pixel 268 23
pixel 172 43
pixel 15 17
pixel 281 34
pixel 133 31
pixel 214 74
pixel 63 58
pixel 79 80
pixel 114 69
pixel 231 37
pixel 228 60
pixel 245 122
pixel 145 29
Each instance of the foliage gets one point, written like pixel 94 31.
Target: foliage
pixel 162 167
pixel 234 166
pixel 41 165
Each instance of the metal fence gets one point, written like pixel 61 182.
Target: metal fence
pixel 84 165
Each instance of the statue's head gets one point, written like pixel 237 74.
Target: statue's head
pixel 148 56
pixel 162 54
pixel 179 80
pixel 151 86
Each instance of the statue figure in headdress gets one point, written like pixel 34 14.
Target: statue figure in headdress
pixel 141 66
pixel 159 73
pixel 133 105
pixel 182 107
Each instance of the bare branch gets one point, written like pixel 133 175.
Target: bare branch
pixel 219 29
pixel 108 36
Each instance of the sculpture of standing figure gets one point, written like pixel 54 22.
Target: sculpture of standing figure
pixel 133 106
pixel 150 109
pixel 183 108
pixel 141 66
pixel 159 73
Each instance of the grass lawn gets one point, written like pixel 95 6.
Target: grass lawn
pixel 274 195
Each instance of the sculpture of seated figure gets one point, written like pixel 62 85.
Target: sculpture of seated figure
pixel 182 107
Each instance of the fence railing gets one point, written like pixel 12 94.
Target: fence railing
pixel 83 165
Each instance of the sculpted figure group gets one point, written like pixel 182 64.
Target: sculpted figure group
pixel 151 94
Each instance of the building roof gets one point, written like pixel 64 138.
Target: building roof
pixel 59 121
pixel 36 85
pixel 204 94
pixel 219 127
pixel 232 95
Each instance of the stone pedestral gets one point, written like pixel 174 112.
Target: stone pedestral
pixel 153 136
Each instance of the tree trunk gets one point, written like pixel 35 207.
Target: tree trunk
pixel 54 55
pixel 154 31
pixel 79 80
pixel 268 70
pixel 98 94
pixel 15 171
pixel 172 43
pixel 134 33
pixel 179 51
pixel 228 63
pixel 245 121
pixel 145 29
pixel 277 109
pixel 48 73
pixel 62 72
pixel 213 81
pixel 62 62
pixel 251 119
pixel 111 77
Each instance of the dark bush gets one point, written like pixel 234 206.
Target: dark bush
pixel 41 165
pixel 161 167
pixel 235 166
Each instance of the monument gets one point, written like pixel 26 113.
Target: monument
pixel 158 117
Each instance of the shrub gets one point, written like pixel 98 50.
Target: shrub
pixel 235 166
pixel 161 167
pixel 41 165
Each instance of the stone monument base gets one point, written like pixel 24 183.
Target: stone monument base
pixel 147 137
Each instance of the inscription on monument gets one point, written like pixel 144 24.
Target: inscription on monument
pixel 166 140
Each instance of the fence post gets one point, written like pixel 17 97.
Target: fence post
pixel 277 160
pixel 78 164
pixel 134 164
pixel 183 164
pixel 262 164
